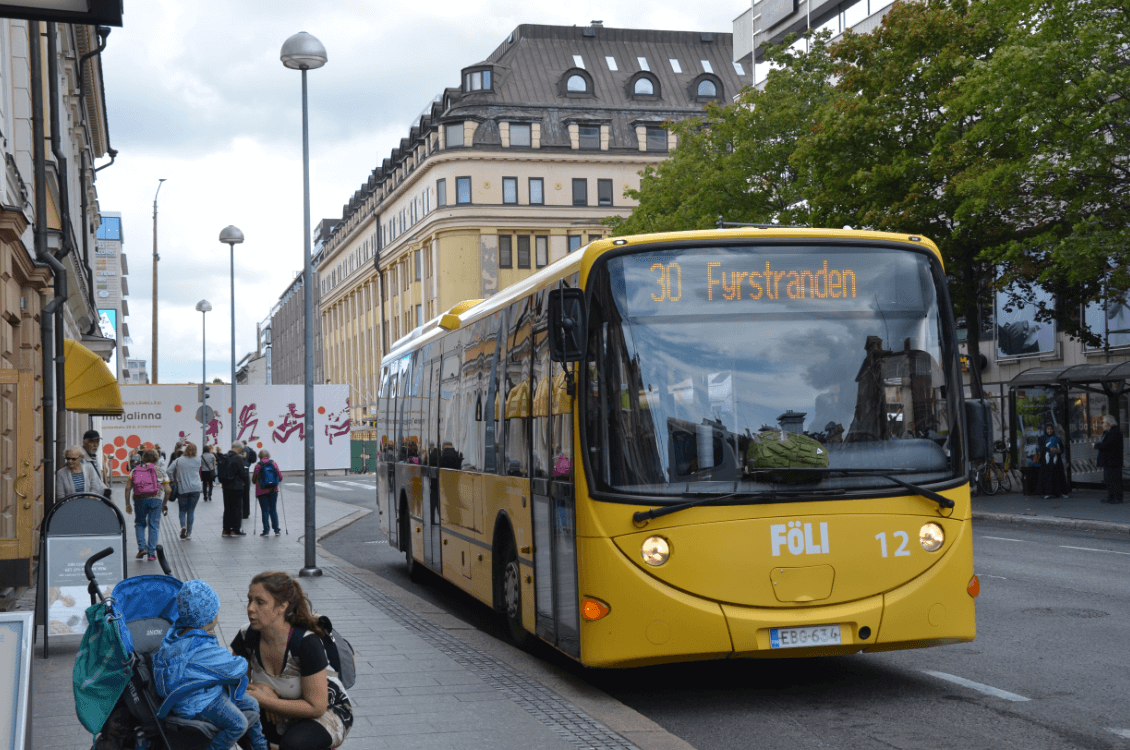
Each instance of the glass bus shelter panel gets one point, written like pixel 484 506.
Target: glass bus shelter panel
pixel 1035 409
pixel 1084 428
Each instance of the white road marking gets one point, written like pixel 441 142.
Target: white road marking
pixel 1091 549
pixel 986 689
pixel 1120 732
pixel 378 541
pixel 986 575
pixel 358 484
pixel 1002 539
pixel 328 486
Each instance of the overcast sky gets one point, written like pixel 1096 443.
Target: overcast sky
pixel 196 95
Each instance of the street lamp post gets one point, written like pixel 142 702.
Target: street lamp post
pixel 203 306
pixel 231 236
pixel 304 52
pixel 156 258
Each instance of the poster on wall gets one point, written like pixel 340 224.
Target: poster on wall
pixel 108 327
pixel 1110 321
pixel 269 417
pixel 1018 331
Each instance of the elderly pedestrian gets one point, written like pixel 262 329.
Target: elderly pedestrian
pixel 185 473
pixel 146 483
pixel 1109 450
pixel 233 478
pixel 266 478
pixel 77 476
pixel 91 441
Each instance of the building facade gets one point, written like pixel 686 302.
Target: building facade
pixel 53 127
pixel 111 290
pixel 503 174
pixel 288 332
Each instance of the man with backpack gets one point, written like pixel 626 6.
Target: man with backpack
pixel 232 472
pixel 266 477
pixel 146 483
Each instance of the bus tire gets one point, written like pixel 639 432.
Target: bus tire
pixel 406 543
pixel 512 596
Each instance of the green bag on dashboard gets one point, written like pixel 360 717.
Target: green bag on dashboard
pixel 777 449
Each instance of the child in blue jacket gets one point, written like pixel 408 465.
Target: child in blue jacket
pixel 199 678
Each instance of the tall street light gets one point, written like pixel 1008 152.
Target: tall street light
pixel 231 236
pixel 156 258
pixel 203 306
pixel 304 52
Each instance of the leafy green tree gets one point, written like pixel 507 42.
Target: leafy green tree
pixel 887 152
pixel 734 161
pixel 1053 114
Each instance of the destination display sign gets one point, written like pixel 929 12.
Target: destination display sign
pixel 757 280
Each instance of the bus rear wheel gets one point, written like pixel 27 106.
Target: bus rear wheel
pixel 512 597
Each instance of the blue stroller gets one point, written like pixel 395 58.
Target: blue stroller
pixel 115 697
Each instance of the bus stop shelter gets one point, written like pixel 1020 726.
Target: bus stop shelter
pixel 1073 399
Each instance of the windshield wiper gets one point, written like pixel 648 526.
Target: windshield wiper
pixel 941 500
pixel 754 497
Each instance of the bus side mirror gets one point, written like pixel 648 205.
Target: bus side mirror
pixel 566 324
pixel 978 423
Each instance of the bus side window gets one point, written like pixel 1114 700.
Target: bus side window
pixel 495 348
pixel 516 391
pixel 474 389
pixel 542 398
pixel 403 409
pixel 453 417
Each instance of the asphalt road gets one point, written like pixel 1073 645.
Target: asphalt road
pixel 1050 667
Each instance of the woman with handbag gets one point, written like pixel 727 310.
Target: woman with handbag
pixel 208 472
pixel 184 473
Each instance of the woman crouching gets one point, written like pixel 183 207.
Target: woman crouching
pixel 302 702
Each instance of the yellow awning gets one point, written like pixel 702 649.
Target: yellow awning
pixel 91 387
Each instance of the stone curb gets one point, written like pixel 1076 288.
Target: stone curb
pixel 1080 524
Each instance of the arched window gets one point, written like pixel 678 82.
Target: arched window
pixel 644 87
pixel 707 89
pixel 577 84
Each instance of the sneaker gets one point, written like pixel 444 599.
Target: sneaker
pixel 1065 496
pixel 1047 497
pixel 265 533
pixel 152 558
pixel 227 533
pixel 239 533
pixel 183 532
pixel 188 537
pixel 278 533
pixel 140 554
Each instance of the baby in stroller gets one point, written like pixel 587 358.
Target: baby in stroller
pixel 199 678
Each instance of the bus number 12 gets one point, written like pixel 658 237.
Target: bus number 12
pixel 902 551
pixel 670 284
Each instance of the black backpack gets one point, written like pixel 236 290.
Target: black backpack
pixel 224 467
pixel 338 651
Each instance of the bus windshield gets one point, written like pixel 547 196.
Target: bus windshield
pixel 764 368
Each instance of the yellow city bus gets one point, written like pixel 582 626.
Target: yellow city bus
pixel 698 445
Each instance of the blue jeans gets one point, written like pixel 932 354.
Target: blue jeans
pixel 187 502
pixel 269 504
pixel 147 514
pixel 227 715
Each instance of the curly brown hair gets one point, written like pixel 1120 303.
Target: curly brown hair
pixel 283 588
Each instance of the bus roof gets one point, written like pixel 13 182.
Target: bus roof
pixel 582 259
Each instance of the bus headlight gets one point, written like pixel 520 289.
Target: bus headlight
pixel 931 537
pixel 655 550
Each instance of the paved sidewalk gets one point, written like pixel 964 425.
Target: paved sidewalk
pixel 418 684
pixel 1083 510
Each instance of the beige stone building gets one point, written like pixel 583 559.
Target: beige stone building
pixel 53 376
pixel 508 171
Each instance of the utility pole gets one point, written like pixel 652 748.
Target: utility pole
pixel 156 258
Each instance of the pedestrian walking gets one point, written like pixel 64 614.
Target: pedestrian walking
pixel 250 458
pixel 77 476
pixel 162 460
pixel 1109 450
pixel 91 440
pixel 185 473
pixel 207 472
pixel 303 702
pixel 134 458
pixel 232 470
pixel 265 477
pixel 1051 481
pixel 146 484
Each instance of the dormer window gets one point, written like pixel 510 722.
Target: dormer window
pixel 706 87
pixel 575 82
pixel 477 79
pixel 644 85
